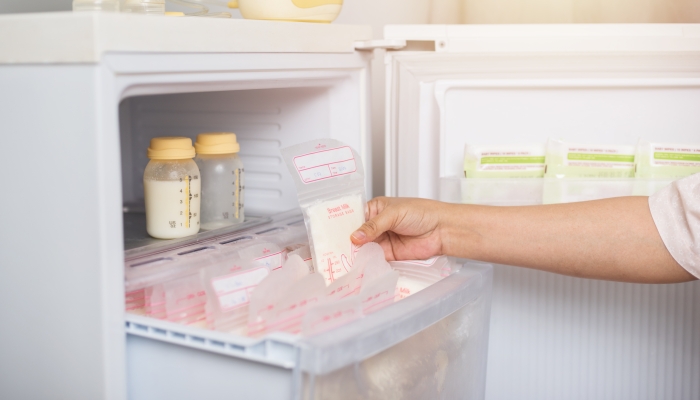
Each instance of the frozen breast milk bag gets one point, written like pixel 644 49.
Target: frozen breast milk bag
pixel 281 300
pixel 265 254
pixel 229 285
pixel 303 251
pixel 185 299
pixel 504 161
pixel 568 160
pixel 331 314
pixel 378 278
pixel 330 185
pixel 666 161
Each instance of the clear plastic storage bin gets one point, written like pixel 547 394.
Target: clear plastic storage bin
pixel 431 345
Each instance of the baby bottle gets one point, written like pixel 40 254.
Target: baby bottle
pixel 222 179
pixel 171 188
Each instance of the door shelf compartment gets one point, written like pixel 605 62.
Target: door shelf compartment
pixel 532 191
pixel 432 345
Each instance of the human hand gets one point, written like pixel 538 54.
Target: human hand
pixel 407 229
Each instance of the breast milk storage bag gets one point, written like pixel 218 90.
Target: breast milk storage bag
pixel 331 187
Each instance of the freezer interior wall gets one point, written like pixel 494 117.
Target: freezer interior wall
pixel 264 120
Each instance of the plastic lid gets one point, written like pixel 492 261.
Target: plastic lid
pixel 217 143
pixel 174 14
pixel 170 148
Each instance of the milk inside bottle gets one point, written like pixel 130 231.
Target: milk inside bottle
pixel 172 189
pixel 222 179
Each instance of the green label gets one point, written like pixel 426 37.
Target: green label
pixel 601 157
pixel 677 156
pixel 513 160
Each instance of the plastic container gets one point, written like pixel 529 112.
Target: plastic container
pixel 96 5
pixel 431 345
pixel 171 189
pixel 222 179
pixel 149 7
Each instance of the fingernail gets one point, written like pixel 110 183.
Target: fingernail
pixel 359 235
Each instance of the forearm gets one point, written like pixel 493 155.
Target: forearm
pixel 612 239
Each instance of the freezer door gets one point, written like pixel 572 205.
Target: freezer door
pixel 554 336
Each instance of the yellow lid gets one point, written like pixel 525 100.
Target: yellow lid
pixel 217 143
pixel 174 14
pixel 171 148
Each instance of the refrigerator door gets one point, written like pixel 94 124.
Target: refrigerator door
pixel 554 336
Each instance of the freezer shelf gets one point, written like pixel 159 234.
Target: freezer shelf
pixel 137 241
pixel 430 345
pixel 526 191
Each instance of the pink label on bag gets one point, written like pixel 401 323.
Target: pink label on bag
pixel 324 164
pixel 234 290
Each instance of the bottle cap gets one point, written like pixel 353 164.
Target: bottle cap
pixel 217 143
pixel 170 148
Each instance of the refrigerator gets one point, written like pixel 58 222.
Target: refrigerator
pixel 84 93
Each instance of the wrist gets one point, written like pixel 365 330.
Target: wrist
pixel 457 231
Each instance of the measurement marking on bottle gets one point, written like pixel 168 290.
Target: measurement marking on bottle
pixel 187 201
pixel 237 193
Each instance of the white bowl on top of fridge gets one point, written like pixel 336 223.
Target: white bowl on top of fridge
pixel 324 11
pixel 172 188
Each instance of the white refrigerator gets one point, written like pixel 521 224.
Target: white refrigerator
pixel 82 94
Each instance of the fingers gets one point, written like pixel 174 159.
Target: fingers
pixel 382 219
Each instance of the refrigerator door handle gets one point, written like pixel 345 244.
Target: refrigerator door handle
pixel 388 44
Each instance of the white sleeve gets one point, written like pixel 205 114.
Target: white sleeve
pixel 676 213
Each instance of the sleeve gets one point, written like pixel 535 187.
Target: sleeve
pixel 676 213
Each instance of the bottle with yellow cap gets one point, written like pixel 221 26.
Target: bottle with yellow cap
pixel 222 179
pixel 172 186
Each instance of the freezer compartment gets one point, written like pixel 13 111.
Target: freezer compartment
pixel 430 345
pixel 526 191
pixel 265 119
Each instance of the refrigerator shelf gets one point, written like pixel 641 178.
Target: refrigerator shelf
pixel 533 191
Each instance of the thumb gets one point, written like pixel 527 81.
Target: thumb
pixel 374 228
